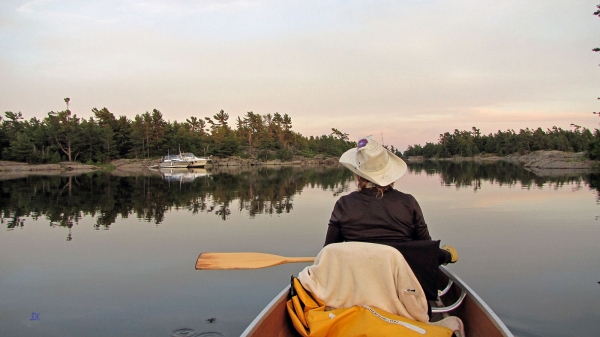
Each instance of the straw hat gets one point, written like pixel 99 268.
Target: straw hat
pixel 373 162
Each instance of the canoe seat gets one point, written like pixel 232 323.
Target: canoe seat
pixel 448 308
pixel 422 257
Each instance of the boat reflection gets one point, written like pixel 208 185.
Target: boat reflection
pixel 183 175
pixel 148 196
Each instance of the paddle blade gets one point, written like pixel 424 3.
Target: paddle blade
pixel 211 261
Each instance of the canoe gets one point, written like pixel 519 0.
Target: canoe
pixel 457 299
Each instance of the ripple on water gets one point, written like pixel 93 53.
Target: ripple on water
pixel 184 332
pixel 189 332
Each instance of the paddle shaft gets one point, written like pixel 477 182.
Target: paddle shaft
pixel 299 259
pixel 221 261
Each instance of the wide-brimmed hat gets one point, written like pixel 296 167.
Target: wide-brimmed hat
pixel 373 162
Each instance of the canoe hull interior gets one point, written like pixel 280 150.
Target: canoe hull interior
pixel 478 318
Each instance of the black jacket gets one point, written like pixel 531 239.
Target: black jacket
pixel 395 220
pixel 363 216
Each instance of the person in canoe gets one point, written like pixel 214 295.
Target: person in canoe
pixel 376 212
pixel 377 254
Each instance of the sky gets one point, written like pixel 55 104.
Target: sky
pixel 402 71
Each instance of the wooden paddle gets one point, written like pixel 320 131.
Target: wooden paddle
pixel 208 261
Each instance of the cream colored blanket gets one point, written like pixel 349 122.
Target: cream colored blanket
pixel 357 273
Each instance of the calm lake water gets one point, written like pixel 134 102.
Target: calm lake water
pixel 113 255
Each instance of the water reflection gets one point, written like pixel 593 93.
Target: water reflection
pixel 470 174
pixel 64 200
pixel 183 175
pixel 140 277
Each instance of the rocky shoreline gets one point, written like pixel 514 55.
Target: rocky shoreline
pixel 142 165
pixel 554 160
pixel 11 166
pixel 540 163
pixel 298 161
pixel 535 161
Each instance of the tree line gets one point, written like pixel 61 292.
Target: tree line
pixel 471 143
pixel 62 136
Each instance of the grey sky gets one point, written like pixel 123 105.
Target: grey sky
pixel 407 70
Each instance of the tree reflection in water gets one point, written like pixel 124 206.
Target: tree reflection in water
pixel 470 174
pixel 104 196
pixel 64 200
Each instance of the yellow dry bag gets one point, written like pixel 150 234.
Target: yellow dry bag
pixel 310 318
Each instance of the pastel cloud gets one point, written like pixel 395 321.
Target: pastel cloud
pixel 406 70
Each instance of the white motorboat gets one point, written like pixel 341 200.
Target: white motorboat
pixel 172 161
pixel 194 161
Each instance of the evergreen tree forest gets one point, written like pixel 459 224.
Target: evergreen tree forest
pixel 62 136
pixel 502 143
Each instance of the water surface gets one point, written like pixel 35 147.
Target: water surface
pixel 101 254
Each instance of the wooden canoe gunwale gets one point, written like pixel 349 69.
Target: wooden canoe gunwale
pixel 477 316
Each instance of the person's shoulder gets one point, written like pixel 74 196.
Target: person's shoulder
pixel 399 194
pixel 350 197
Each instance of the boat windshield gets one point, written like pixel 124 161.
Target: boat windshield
pixel 188 155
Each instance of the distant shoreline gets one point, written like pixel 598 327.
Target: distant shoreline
pixel 554 160
pixel 141 165
pixel 543 159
